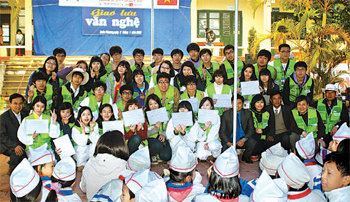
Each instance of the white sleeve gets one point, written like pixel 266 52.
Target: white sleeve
pixel 201 135
pixel 206 93
pixel 54 130
pixel 22 134
pixel 115 108
pixel 194 132
pixel 170 130
pixel 214 131
pixel 78 137
pixel 85 102
pixel 82 184
pixel 94 136
pixel 151 83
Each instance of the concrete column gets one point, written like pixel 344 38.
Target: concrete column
pixel 267 25
pixel 194 21
pixel 28 27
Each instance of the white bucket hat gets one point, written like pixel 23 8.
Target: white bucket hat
pixel 277 149
pixel 40 155
pixel 153 191
pixel 227 165
pixel 270 163
pixel 23 179
pixel 183 160
pixel 139 160
pixel 85 75
pixel 342 133
pixel 293 171
pixel 267 189
pixel 306 146
pixel 65 169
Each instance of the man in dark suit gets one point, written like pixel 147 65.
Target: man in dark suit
pixel 280 119
pixel 245 130
pixel 9 124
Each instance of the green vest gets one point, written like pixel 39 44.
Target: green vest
pixel 269 67
pixel 42 138
pixel 295 91
pixel 312 121
pixel 263 124
pixel 109 68
pixel 168 102
pixel 199 95
pixel 87 133
pixel 214 65
pixel 120 105
pixel 229 69
pixel 211 90
pixel 104 78
pixel 67 97
pixel 93 102
pixel 281 76
pixel 146 70
pixel 48 97
pixel 333 117
pixel 154 76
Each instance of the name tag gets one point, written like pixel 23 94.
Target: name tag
pixel 314 124
pixel 307 91
pixel 264 124
pixel 49 102
pixel 246 104
pixel 336 114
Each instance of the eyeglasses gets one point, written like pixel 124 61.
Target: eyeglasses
pixel 163 82
pixel 229 52
pixel 138 55
pixel 100 89
pixel 166 68
pixel 51 63
pixel 126 92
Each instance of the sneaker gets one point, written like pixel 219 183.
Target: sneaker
pixel 254 158
pixel 154 160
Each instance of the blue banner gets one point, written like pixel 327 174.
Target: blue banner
pixel 112 21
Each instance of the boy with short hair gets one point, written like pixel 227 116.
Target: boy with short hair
pixel 60 55
pixel 193 50
pixel 227 65
pixel 264 57
pixel 126 92
pixel 138 55
pixel 157 55
pixel 176 56
pixel 116 53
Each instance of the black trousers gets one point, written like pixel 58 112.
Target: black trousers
pixel 249 146
pixel 14 159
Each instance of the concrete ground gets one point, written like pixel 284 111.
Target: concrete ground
pixel 247 172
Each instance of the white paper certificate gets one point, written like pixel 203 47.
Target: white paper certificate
pixel 205 115
pixel 250 88
pixel 113 125
pixel 40 126
pixel 184 118
pixel 157 115
pixel 133 117
pixel 223 100
pixel 65 145
pixel 194 103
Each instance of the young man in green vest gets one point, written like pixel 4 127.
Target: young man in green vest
pixel 98 98
pixel 138 55
pixel 176 57
pixel 116 54
pixel 227 65
pixel 305 120
pixel 264 57
pixel 169 95
pixel 73 92
pixel 206 70
pixel 298 83
pixel 191 90
pixel 283 65
pixel 126 92
pixel 193 51
pixel 333 112
pixel 157 55
pixel 41 87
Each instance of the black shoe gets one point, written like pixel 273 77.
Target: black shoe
pixel 247 160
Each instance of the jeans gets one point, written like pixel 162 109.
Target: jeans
pixel 134 143
pixel 161 148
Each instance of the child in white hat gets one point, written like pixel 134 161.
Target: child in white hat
pixel 224 183
pixel 25 182
pixel 336 177
pixel 182 167
pixel 305 150
pixel 153 191
pixel 182 135
pixel 43 162
pixel 296 175
pixel 342 133
pixel 63 179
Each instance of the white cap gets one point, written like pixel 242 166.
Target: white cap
pixel 277 149
pixel 110 191
pixel 153 191
pixel 342 133
pixel 138 180
pixel 306 146
pixel 139 160
pixel 85 74
pixel 331 87
pixel 23 179
pixel 40 155
pixel 227 165
pixel 293 171
pixel 270 163
pixel 65 169
pixel 267 189
pixel 183 160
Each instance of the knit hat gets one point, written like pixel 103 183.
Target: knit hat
pixel 227 165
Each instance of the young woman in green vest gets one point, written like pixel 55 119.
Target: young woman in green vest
pixel 157 142
pixel 85 135
pixel 206 70
pixel 140 86
pixel 187 69
pixel 262 123
pixel 209 142
pixel 97 72
pixel 183 135
pixel 266 84
pixel 106 114
pixel 305 120
pixel 248 74
pixel 166 67
pixel 218 87
pixel 105 57
pixel 138 55
pixel 134 134
pixel 121 76
pixel 36 140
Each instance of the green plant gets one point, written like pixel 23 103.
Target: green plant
pixel 252 39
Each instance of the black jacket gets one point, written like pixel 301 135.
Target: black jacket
pixel 286 118
pixel 8 130
pixel 227 123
